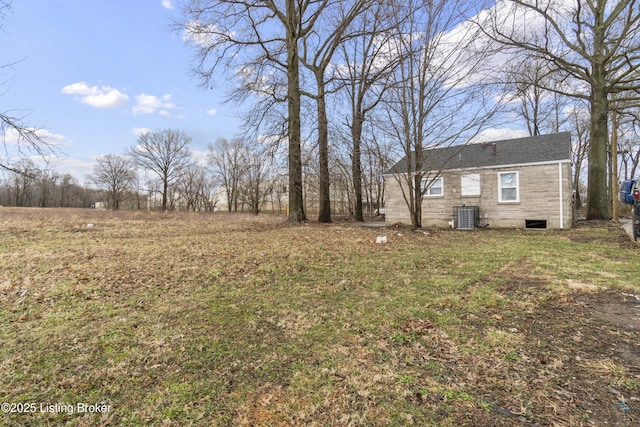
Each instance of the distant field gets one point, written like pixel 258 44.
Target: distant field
pixel 185 319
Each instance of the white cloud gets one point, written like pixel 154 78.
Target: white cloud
pixel 97 97
pixel 50 137
pixel 212 112
pixel 80 88
pixel 203 35
pixel 151 104
pixel 77 168
pixel 199 156
pixel 53 139
pixel 167 4
pixel 140 131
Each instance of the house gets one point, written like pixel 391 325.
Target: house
pixel 516 183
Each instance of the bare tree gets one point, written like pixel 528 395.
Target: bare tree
pixel 629 146
pixel 31 186
pixel 165 153
pixel 195 188
pixel 594 46
pixel 257 182
pixel 262 38
pixel 114 176
pixel 365 75
pixel 541 109
pixel 434 101
pixel 46 184
pixel 66 190
pixel 25 174
pixel 341 185
pixel 14 129
pixel 225 159
pixel 377 160
pixel 578 117
pixel 319 49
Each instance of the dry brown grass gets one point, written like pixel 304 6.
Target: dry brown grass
pixel 192 319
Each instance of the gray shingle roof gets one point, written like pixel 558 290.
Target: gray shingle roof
pixel 534 149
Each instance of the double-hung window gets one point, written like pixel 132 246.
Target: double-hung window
pixel 508 187
pixel 434 187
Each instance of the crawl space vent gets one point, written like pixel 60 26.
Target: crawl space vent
pixel 535 223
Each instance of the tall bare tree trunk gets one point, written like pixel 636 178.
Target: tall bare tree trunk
pixel 614 160
pixel 324 214
pixel 165 187
pixel 356 163
pixel 296 201
pixel 416 219
pixel 597 196
pixel 597 200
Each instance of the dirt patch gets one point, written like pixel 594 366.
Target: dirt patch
pixel 622 312
pixel 588 345
pixel 615 230
pixel 566 359
pixel 620 309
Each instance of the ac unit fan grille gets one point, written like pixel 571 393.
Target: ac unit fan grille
pixel 467 217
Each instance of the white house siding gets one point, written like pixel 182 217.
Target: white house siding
pixel 539 198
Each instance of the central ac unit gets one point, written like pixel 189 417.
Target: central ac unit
pixel 467 217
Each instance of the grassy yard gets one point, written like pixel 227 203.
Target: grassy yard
pixel 176 320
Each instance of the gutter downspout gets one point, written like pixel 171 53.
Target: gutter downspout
pixel 561 195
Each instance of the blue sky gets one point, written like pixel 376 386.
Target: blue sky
pixel 95 72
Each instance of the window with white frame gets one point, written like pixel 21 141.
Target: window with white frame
pixel 434 187
pixel 470 184
pixel 508 187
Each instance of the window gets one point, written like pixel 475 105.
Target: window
pixel 508 189
pixel 434 187
pixel 470 185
